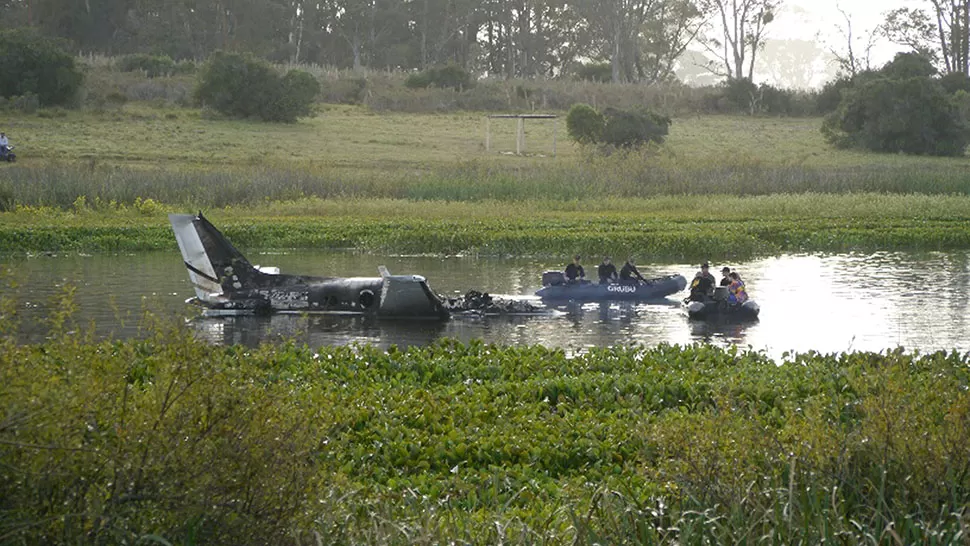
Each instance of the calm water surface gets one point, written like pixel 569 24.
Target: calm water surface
pixel 827 303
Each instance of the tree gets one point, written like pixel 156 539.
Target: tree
pixel 902 108
pixel 940 32
pixel 615 26
pixel 855 57
pixel 664 38
pixel 740 25
pixel 30 63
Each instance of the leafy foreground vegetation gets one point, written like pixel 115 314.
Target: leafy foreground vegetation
pixel 168 438
pixel 662 227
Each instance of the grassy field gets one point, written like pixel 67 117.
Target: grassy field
pixel 355 138
pixel 734 186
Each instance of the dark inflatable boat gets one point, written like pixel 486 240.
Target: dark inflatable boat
pixel 555 287
pixel 226 283
pixel 719 308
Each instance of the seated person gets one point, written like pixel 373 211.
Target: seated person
pixel 607 271
pixel 736 292
pixel 4 144
pixel 706 273
pixel 726 276
pixel 574 271
pixel 701 288
pixel 629 272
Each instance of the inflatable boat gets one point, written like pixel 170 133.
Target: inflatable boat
pixel 555 287
pixel 226 283
pixel 719 308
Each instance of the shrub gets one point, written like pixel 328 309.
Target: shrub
pixel 446 77
pixel 908 65
pixel 830 96
pixel 584 124
pixel 28 103
pixel 241 86
pixel 32 64
pixel 632 129
pixel 615 127
pixel 741 94
pixel 153 65
pixel 595 72
pixel 914 115
pixel 955 81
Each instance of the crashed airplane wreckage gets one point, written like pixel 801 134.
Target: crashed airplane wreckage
pixel 226 283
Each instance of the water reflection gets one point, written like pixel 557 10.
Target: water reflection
pixel 827 303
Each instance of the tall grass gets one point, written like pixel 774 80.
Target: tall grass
pixel 59 185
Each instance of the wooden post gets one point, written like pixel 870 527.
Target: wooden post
pixel 520 136
pixel 555 129
pixel 488 134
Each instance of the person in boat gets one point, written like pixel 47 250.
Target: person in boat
pixel 736 292
pixel 726 276
pixel 607 271
pixel 629 272
pixel 706 273
pixel 574 271
pixel 702 287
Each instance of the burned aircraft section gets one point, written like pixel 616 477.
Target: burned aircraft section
pixel 226 282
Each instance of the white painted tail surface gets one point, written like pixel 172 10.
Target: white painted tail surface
pixel 193 253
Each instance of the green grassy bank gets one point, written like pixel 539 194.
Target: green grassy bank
pixel 171 438
pixel 663 227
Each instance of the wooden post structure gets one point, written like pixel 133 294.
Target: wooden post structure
pixel 555 130
pixel 520 130
pixel 488 133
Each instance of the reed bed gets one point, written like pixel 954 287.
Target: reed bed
pixel 60 185
pixel 169 438
pixel 662 228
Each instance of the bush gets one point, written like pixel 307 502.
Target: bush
pixel 595 72
pixel 908 65
pixel 241 86
pixel 32 64
pixel 153 65
pixel 632 129
pixel 914 115
pixel 446 77
pixel 615 127
pixel 955 81
pixel 741 94
pixel 830 96
pixel 584 124
pixel 28 103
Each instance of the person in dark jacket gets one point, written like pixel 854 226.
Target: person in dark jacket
pixel 706 273
pixel 726 276
pixel 574 271
pixel 701 288
pixel 629 271
pixel 607 271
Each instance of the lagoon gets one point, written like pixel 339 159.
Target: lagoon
pixel 810 302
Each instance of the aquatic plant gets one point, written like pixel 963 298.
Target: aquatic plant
pixel 170 437
pixel 662 228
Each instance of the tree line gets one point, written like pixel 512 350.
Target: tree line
pixel 639 40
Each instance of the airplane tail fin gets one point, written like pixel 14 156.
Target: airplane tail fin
pixel 215 266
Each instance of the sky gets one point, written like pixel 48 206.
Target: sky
pixel 805 18
pixel 813 29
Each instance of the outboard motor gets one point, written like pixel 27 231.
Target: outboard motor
pixel 553 278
